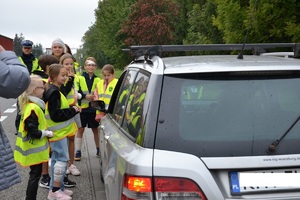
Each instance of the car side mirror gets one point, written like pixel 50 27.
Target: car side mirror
pixel 99 105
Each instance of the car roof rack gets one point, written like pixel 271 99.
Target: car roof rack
pixel 150 50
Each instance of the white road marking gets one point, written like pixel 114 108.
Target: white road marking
pixel 10 110
pixel 2 118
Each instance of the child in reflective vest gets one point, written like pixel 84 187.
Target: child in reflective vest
pixel 32 148
pixel 68 63
pixel 60 119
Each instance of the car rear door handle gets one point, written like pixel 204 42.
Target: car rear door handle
pixel 105 135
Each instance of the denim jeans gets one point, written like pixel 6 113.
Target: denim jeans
pixel 59 152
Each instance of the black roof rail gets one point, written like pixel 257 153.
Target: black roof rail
pixel 257 48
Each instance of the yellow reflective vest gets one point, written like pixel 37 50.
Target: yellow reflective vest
pixel 60 129
pixel 77 68
pixel 71 97
pixel 106 95
pixel 85 90
pixel 35 65
pixel 31 152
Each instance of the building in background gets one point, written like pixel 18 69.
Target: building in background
pixel 7 43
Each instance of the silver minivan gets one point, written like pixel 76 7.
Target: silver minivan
pixel 203 127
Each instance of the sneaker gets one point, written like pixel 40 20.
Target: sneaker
pixel 68 183
pixel 58 195
pixel 73 170
pixel 45 182
pixel 68 192
pixel 78 155
pixel 68 172
pixel 97 154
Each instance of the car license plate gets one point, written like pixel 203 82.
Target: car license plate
pixel 263 181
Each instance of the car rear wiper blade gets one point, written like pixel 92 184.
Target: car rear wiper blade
pixel 272 147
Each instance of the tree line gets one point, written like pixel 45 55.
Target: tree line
pixel 122 23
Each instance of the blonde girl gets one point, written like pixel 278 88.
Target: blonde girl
pixel 32 148
pixel 68 63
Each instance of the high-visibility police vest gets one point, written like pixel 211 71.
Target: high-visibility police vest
pixel 35 65
pixel 85 90
pixel 106 95
pixel 33 152
pixel 60 129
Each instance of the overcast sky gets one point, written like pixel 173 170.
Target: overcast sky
pixel 42 21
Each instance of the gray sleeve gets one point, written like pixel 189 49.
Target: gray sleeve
pixel 14 76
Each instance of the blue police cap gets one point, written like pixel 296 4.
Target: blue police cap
pixel 27 43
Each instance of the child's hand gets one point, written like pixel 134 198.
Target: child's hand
pixel 89 97
pixel 46 133
pixel 77 109
pixel 70 73
pixel 49 133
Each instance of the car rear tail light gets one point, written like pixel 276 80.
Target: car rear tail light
pixel 135 187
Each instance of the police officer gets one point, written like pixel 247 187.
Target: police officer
pixel 27 58
pixel 31 62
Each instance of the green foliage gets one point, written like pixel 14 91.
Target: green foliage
pixel 201 29
pixel 267 21
pixel 274 19
pixel 17 44
pixel 230 20
pixel 120 23
pixel 37 50
pixel 292 29
pixel 102 40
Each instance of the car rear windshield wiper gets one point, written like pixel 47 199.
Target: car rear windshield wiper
pixel 272 147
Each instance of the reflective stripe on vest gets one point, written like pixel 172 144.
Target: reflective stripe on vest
pixel 32 150
pixel 61 125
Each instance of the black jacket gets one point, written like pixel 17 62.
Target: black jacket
pixel 52 96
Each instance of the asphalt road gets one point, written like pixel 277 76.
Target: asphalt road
pixel 88 184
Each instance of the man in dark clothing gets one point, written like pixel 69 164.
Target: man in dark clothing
pixel 31 62
pixel 27 58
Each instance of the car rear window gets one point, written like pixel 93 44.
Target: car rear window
pixel 229 114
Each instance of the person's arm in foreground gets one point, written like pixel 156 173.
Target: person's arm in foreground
pixel 14 76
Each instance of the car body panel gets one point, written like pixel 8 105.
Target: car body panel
pixel 121 153
pixel 291 160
